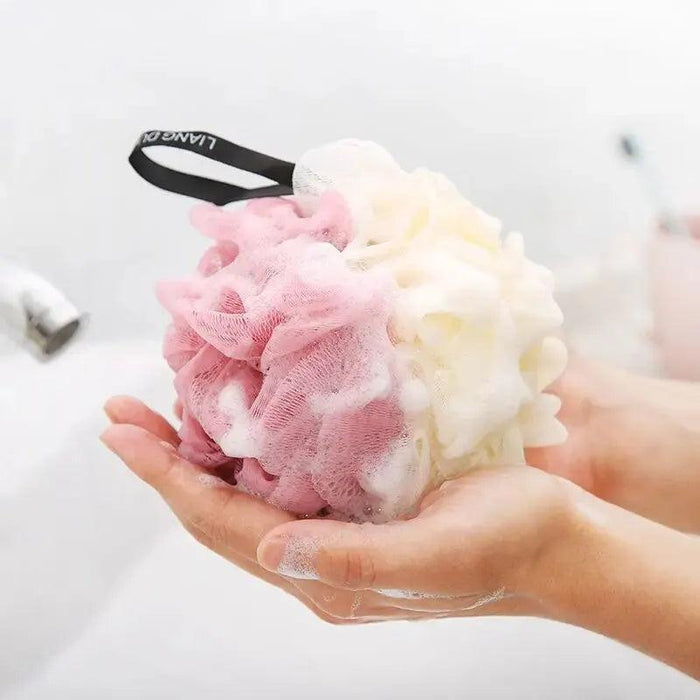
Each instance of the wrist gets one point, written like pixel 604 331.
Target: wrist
pixel 631 579
pixel 564 530
pixel 571 534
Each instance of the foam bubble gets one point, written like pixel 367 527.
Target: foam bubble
pixel 328 596
pixel 356 602
pixel 298 559
pixel 500 594
pixel 239 440
pixel 209 480
pixel 414 396
pixel 412 595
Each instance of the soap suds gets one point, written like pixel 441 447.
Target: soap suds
pixel 500 594
pixel 210 480
pixel 239 440
pixel 298 559
pixel 356 603
pixel 412 595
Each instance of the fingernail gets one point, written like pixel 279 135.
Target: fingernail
pixel 109 410
pixel 271 552
pixel 112 408
pixel 289 556
pixel 106 437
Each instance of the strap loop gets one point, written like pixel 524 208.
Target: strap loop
pixel 215 148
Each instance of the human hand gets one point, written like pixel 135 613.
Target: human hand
pixel 477 546
pixel 633 441
pixel 582 458
pixel 514 541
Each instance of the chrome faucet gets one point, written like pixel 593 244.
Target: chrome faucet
pixel 32 307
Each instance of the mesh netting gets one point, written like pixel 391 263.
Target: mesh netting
pixel 345 348
pixel 283 359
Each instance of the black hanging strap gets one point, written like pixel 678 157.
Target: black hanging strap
pixel 216 148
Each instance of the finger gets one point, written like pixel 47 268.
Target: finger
pixel 283 584
pixel 427 603
pixel 332 606
pixel 366 604
pixel 217 514
pixel 153 461
pixel 177 409
pixel 125 409
pixel 398 555
pixel 496 603
pixel 511 606
pixel 436 495
pixel 321 600
pixel 371 605
pixel 343 604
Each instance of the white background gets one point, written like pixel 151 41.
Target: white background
pixel 518 102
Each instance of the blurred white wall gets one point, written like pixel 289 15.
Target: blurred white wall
pixel 518 102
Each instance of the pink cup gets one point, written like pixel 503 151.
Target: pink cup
pixel 674 279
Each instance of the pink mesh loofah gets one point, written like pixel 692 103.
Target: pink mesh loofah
pixel 283 362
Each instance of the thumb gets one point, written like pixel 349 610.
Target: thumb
pixel 346 555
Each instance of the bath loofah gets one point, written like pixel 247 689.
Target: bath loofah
pixel 348 347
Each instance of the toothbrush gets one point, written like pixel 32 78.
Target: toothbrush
pixel 669 219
